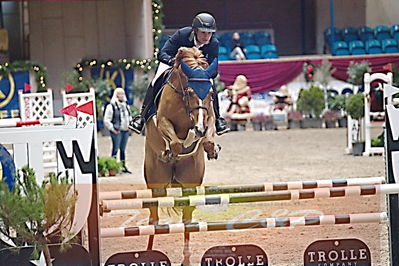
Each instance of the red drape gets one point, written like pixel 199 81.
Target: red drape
pixel 270 75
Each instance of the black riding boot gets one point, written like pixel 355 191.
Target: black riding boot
pixel 220 122
pixel 138 122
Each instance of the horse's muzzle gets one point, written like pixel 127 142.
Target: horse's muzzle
pixel 200 133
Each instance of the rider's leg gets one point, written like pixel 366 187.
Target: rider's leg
pixel 220 123
pixel 138 122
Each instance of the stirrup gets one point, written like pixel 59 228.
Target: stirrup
pixel 137 124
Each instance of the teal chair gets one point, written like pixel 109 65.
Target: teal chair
pixel 373 47
pixel 268 51
pixel 390 46
pixel 252 52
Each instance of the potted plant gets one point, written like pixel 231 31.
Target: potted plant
pixel 355 108
pixel 337 103
pixel 294 119
pixel 35 214
pixel 113 166
pixel 311 104
pixel 330 118
pixel 257 121
pixel 268 123
pixel 102 166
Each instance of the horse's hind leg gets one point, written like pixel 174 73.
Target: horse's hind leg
pixel 153 220
pixel 187 218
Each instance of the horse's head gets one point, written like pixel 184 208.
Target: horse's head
pixel 197 90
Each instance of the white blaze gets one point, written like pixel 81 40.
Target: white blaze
pixel 200 123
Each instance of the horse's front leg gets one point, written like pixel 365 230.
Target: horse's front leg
pixel 169 134
pixel 187 218
pixel 211 148
pixel 153 220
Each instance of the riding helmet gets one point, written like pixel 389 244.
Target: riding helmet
pixel 204 22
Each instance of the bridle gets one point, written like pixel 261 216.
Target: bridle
pixel 185 95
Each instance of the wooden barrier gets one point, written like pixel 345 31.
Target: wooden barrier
pixel 241 225
pixel 202 200
pixel 209 190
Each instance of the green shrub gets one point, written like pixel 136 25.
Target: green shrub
pixel 355 106
pixel 311 102
pixel 356 71
pixel 113 164
pixel 102 165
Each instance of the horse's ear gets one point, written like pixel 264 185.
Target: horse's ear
pixel 212 70
pixel 188 71
pixel 180 54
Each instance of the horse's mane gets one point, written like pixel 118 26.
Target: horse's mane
pixel 193 57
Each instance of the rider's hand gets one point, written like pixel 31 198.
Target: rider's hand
pixel 171 61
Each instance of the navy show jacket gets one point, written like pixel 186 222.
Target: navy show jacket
pixel 184 37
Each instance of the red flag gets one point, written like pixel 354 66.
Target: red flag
pixel 69 87
pixel 70 110
pixel 86 108
pixel 27 87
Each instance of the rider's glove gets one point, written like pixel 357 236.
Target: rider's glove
pixel 171 61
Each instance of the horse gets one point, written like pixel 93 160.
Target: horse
pixel 181 132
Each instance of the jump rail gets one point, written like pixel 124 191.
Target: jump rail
pixel 240 225
pixel 209 190
pixel 366 190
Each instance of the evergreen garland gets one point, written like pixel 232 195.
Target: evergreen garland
pixel 39 71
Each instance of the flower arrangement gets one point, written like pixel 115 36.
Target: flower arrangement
pixel 294 116
pixel 308 71
pixel 261 118
pixel 330 115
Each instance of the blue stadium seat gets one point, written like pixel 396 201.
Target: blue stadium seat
pixel 247 41
pixel 365 33
pixel 327 35
pixel 349 34
pixel 390 46
pixel 340 48
pixel 262 38
pixel 382 32
pixel 373 47
pixel 395 31
pixel 223 54
pixel 268 51
pixel 217 36
pixel 252 52
pixel 262 34
pixel 226 39
pixel 356 47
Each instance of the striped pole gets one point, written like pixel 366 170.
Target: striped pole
pixel 246 224
pixel 202 200
pixel 18 123
pixel 210 190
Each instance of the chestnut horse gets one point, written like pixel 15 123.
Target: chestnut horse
pixel 181 132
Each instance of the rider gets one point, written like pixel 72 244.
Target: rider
pixel 200 35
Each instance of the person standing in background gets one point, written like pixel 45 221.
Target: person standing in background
pixel 116 120
pixel 238 51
